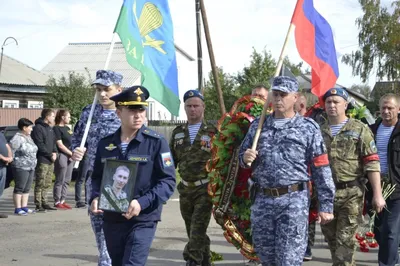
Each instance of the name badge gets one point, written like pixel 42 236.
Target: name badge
pixel 103 160
pixel 139 158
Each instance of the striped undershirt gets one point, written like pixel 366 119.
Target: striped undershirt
pixel 124 146
pixel 279 122
pixel 193 130
pixel 336 128
pixel 108 112
pixel 382 139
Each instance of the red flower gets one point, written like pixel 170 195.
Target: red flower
pixel 369 234
pixel 364 249
pixel 313 216
pixel 249 106
pixel 373 244
pixel 359 237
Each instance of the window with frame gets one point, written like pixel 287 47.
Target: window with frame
pixel 10 104
pixel 35 104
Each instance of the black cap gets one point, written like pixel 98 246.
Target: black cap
pixel 133 97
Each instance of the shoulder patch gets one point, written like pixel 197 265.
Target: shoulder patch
pixel 312 122
pixel 167 159
pixel 151 133
pixel 373 146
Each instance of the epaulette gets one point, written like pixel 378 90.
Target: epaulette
pixel 179 127
pixel 312 121
pixel 151 133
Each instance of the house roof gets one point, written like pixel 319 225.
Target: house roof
pixel 87 58
pixel 14 72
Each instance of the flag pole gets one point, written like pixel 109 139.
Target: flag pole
pixel 277 70
pixel 96 98
pixel 199 48
pixel 212 58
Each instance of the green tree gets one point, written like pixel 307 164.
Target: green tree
pixel 379 42
pixel 261 69
pixel 228 84
pixel 72 92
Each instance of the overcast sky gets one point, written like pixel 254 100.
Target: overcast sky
pixel 44 27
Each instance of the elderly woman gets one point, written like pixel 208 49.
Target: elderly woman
pixel 63 165
pixel 23 167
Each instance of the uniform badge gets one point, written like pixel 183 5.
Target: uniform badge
pixel 205 143
pixel 167 159
pixel 139 158
pixel 70 132
pixel 179 136
pixel 373 146
pixel 111 147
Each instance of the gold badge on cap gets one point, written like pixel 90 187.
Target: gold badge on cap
pixel 191 93
pixel 138 91
pixel 139 99
pixel 333 91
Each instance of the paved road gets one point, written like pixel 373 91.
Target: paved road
pixel 64 238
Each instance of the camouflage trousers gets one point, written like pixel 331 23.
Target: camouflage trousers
pixel 279 228
pixel 196 206
pixel 97 225
pixel 43 181
pixel 340 233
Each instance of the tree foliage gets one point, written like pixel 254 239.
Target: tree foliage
pixel 234 86
pixel 228 84
pixel 72 92
pixel 379 42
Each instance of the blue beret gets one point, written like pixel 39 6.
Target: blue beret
pixel 134 97
pixel 285 84
pixel 107 78
pixel 192 93
pixel 336 92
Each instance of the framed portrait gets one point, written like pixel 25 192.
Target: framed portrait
pixel 117 185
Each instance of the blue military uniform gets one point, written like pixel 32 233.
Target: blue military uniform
pixel 286 153
pixel 129 241
pixel 103 123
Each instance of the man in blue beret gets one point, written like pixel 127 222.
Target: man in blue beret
pixel 191 149
pixel 104 122
pixel 352 155
pixel 129 235
pixel 289 146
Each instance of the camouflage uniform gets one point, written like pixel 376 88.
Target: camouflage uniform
pixel 102 125
pixel 279 224
pixel 120 202
pixel 352 153
pixel 195 203
pixel 290 152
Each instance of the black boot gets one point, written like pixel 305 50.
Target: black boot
pixel 191 263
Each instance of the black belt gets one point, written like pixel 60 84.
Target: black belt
pixel 344 185
pixel 276 192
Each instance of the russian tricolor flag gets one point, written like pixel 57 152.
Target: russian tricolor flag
pixel 314 41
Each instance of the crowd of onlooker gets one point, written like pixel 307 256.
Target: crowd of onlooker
pixel 38 152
